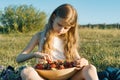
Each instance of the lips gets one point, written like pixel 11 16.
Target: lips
pixel 59 32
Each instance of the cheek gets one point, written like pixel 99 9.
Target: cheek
pixel 55 27
pixel 66 30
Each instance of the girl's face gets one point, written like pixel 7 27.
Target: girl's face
pixel 59 26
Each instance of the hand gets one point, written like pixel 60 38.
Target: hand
pixel 81 63
pixel 42 56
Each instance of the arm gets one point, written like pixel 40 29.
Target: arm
pixel 77 54
pixel 81 62
pixel 23 56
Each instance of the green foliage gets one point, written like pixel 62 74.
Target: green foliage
pixel 22 18
pixel 100 47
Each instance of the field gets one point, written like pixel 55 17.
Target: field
pixel 100 47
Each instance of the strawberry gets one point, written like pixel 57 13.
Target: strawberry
pixel 39 66
pixel 58 64
pixel 61 67
pixel 52 65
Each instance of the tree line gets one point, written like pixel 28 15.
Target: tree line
pixel 101 26
pixel 25 18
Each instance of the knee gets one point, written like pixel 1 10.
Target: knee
pixel 27 71
pixel 89 68
pixel 92 67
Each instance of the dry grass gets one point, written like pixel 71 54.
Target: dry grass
pixel 100 47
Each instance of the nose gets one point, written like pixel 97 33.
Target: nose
pixel 61 29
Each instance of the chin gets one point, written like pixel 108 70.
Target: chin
pixel 60 33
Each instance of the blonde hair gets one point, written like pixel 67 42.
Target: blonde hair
pixel 70 38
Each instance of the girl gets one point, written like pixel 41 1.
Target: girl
pixel 58 41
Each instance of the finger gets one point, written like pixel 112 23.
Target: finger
pixel 44 58
pixel 41 61
pixel 49 57
pixel 40 55
pixel 81 65
pixel 77 62
pixel 77 68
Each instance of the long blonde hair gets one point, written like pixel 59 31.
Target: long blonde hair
pixel 70 38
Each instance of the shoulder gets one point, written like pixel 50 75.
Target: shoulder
pixel 39 35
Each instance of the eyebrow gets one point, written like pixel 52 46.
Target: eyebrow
pixel 61 24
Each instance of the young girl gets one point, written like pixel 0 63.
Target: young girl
pixel 58 41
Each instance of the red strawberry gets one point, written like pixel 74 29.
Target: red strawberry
pixel 52 65
pixel 39 66
pixel 67 64
pixel 61 67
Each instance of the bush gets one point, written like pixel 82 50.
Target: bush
pixel 23 18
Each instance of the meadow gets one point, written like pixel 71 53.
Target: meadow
pixel 100 46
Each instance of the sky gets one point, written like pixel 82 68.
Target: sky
pixel 89 11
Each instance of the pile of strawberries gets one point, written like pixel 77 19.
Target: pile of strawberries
pixel 55 65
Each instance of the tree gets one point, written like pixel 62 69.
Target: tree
pixel 22 18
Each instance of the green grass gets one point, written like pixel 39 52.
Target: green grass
pixel 100 47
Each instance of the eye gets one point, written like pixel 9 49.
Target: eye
pixel 65 27
pixel 59 25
